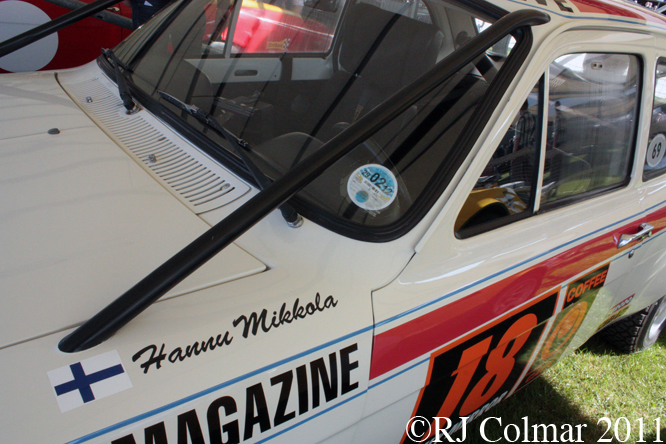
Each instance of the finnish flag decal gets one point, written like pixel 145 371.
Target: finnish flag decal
pixel 85 381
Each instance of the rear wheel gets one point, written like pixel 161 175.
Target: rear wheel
pixel 638 331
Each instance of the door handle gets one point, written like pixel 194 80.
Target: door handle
pixel 645 231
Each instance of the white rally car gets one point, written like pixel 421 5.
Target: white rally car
pixel 205 244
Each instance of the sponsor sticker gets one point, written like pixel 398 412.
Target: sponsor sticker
pixel 617 311
pixel 473 374
pixel 265 407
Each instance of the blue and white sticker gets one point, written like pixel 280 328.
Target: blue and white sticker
pixel 88 380
pixel 372 187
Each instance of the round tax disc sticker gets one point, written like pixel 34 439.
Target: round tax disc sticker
pixel 655 152
pixel 372 187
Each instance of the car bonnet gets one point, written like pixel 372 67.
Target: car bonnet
pixel 80 220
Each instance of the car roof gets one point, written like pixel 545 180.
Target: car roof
pixel 619 11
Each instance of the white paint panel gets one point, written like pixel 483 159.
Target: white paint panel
pixel 81 222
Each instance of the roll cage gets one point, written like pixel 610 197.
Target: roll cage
pixel 121 311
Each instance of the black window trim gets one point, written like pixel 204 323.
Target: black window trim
pixel 444 173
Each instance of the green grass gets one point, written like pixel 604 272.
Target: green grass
pixel 592 383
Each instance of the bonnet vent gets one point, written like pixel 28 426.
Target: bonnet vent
pixel 196 180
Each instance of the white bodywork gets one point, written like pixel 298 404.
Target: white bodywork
pixel 83 218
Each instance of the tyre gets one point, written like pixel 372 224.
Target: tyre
pixel 638 331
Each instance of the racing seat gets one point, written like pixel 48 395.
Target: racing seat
pixel 379 53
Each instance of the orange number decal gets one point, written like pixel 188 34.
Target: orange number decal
pixel 469 361
pixel 470 375
pixel 499 364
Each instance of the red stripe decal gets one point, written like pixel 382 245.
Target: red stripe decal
pixel 597 7
pixel 421 335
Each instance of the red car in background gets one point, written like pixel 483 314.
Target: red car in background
pixel 265 28
pixel 72 46
pixel 262 28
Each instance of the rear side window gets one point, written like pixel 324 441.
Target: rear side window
pixel 655 164
pixel 589 120
pixel 592 109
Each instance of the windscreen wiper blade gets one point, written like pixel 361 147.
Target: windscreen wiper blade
pixel 293 219
pixel 125 96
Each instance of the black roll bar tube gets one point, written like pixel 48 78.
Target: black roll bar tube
pixel 17 42
pixel 119 312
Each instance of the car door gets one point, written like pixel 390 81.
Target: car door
pixel 648 277
pixel 523 263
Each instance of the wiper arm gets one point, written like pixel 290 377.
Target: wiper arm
pixel 125 96
pixel 293 219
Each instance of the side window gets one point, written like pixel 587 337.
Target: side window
pixel 655 164
pixel 504 192
pixel 592 109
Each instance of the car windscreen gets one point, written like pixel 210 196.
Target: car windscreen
pixel 289 76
